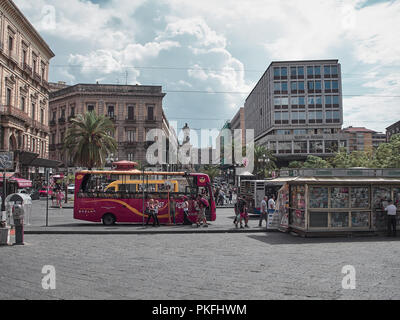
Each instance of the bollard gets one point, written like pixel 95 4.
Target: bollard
pixel 19 231
pixel 18 214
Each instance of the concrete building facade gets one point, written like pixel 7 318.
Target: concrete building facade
pixel 296 109
pixel 24 88
pixel 134 109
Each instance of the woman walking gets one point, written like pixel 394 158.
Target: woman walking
pixel 151 211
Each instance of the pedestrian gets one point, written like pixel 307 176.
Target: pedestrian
pixel 271 204
pixel 59 196
pixel 221 197
pixel 151 211
pixel 237 213
pixel 391 216
pixel 244 215
pixel 263 211
pixel 53 192
pixel 185 206
pixel 156 207
pixel 172 208
pixel 203 204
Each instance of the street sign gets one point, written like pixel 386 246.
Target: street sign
pixel 6 160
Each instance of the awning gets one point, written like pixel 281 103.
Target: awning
pixel 22 183
pixel 8 175
pixel 46 163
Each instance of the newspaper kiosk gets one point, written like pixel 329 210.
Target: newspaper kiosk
pixel 328 201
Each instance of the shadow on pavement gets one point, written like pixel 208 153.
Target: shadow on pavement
pixel 278 238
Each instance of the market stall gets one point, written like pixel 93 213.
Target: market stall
pixel 339 204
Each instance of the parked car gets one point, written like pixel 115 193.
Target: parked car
pixel 43 192
pixel 71 188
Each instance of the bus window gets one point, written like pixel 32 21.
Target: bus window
pixel 111 189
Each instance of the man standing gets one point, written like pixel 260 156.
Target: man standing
pixel 271 205
pixel 263 211
pixel 391 215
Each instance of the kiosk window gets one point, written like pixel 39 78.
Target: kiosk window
pixel 318 219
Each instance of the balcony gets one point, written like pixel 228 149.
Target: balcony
pixel 52 147
pixel 52 122
pixel 27 68
pixel 130 119
pixel 131 144
pixel 37 77
pixel 61 120
pixel 112 117
pixel 40 126
pixel 14 112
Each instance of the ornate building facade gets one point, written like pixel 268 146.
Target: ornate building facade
pixel 134 109
pixel 24 89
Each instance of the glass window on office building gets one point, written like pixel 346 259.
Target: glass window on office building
pixel 300 147
pixel 316 146
pixel 285 147
pixel 300 131
pixel 272 146
pixel 331 146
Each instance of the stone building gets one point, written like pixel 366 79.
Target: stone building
pixel 24 89
pixel 134 109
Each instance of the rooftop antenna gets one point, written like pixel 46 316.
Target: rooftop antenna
pixel 126 77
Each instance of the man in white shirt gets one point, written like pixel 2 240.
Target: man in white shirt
pixel 271 205
pixel 391 215
pixel 263 211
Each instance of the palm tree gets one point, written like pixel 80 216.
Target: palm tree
pixel 88 140
pixel 211 171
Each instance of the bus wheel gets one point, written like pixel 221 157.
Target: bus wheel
pixel 108 219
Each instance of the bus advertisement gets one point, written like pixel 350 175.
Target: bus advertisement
pixel 116 196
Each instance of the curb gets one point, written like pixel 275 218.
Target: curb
pixel 126 232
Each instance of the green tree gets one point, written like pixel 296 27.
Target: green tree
pixel 88 140
pixel 313 162
pixel 295 164
pixel 387 155
pixel 264 161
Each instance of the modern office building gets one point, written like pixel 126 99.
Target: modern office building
pixel 238 123
pixel 24 88
pixel 296 109
pixel 134 109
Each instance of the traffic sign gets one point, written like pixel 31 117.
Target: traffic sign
pixel 6 160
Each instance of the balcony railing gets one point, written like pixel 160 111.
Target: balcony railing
pixel 61 120
pixel 52 147
pixel 27 68
pixel 14 112
pixel 40 126
pixel 37 77
pixel 52 122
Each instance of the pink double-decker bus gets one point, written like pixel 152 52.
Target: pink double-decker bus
pixel 96 201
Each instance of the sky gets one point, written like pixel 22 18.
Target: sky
pixel 208 55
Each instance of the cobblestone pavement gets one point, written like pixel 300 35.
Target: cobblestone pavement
pixel 200 266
